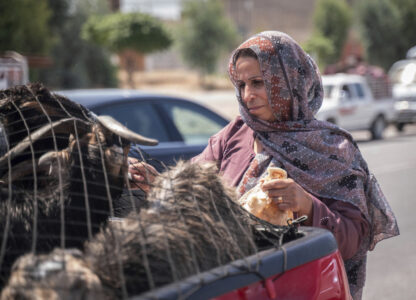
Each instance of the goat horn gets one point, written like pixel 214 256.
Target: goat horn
pixel 49 157
pixel 57 126
pixel 26 167
pixel 116 127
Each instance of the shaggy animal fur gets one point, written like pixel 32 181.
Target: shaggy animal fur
pixel 192 225
pixel 60 275
pixel 63 172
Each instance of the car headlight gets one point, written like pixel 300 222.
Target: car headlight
pixel 401 105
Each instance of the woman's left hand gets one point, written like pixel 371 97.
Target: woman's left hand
pixel 289 196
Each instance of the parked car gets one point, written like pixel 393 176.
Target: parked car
pixel 403 76
pixel 349 103
pixel 182 127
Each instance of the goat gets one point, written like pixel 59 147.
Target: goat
pixel 62 172
pixel 192 225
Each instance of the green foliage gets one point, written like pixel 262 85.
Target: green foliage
pixel 77 63
pixel 205 34
pixel 407 10
pixel 332 20
pixel 319 47
pixel 24 26
pixel 137 31
pixel 382 29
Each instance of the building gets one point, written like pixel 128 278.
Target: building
pixel 293 17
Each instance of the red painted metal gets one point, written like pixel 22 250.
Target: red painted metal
pixel 321 279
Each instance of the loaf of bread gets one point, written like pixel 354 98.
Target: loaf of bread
pixel 259 204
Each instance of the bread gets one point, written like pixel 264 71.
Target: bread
pixel 259 204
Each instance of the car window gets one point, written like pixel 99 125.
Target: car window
pixel 346 92
pixel 328 90
pixel 140 117
pixel 195 124
pixel 359 90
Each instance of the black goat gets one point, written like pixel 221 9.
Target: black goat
pixel 62 172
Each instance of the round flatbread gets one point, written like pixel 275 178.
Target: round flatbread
pixel 259 204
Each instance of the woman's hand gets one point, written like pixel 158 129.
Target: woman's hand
pixel 289 196
pixel 141 174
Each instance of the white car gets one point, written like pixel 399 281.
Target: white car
pixel 349 103
pixel 403 76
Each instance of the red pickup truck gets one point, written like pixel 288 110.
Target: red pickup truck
pixel 308 266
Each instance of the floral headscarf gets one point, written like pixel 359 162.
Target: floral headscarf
pixel 319 156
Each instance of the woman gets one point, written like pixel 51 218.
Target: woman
pixel 279 90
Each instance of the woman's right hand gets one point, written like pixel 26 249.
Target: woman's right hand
pixel 289 195
pixel 141 174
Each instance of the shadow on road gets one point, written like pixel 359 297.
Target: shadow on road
pixel 391 134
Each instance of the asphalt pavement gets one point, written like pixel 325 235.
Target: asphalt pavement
pixel 391 269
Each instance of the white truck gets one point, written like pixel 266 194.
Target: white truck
pixel 403 76
pixel 349 103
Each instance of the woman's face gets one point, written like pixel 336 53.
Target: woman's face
pixel 252 88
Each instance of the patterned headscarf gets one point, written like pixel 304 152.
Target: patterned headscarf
pixel 319 156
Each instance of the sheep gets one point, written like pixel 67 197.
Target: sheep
pixel 192 225
pixel 62 173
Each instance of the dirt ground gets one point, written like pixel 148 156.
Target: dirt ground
pixel 174 79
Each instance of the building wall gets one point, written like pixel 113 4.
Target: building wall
pixel 291 16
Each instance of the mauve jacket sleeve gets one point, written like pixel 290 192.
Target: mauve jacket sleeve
pixel 344 220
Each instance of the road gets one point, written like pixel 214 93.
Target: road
pixel 391 269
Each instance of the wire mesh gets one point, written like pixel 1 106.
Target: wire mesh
pixel 74 227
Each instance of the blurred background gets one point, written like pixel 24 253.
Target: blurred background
pixel 182 47
pixel 143 43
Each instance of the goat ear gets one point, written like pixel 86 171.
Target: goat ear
pixel 117 128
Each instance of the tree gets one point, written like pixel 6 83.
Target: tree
pixel 407 10
pixel 319 47
pixel 24 26
pixel 382 26
pixel 205 34
pixel 77 63
pixel 117 32
pixel 332 20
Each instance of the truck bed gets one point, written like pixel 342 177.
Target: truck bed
pixel 309 267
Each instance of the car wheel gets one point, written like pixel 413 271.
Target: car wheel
pixel 377 128
pixel 400 126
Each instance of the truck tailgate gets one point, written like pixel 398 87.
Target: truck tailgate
pixel 309 267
